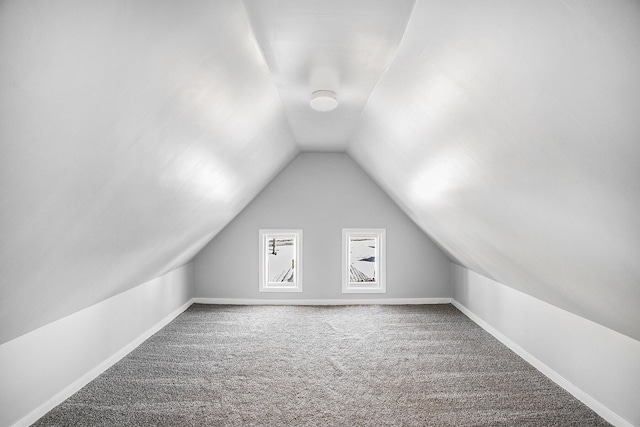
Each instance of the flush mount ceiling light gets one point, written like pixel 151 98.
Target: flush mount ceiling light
pixel 324 100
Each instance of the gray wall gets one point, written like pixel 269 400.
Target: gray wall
pixel 321 193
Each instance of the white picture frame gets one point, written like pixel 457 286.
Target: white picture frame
pixel 280 266
pixel 364 260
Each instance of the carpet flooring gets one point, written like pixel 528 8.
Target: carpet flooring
pixel 423 365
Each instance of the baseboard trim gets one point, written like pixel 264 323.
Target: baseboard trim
pixel 585 398
pixel 64 394
pixel 359 301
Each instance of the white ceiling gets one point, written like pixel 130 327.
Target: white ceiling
pixel 132 132
pixel 343 46
pixel 510 132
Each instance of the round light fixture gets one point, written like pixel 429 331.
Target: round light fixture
pixel 324 100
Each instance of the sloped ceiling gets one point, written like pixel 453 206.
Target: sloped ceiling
pixel 510 132
pixel 132 132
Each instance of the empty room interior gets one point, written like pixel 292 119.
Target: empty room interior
pixel 305 212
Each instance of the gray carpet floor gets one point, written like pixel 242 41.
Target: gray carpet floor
pixel 423 365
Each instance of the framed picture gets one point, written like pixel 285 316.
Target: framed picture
pixel 363 260
pixel 280 260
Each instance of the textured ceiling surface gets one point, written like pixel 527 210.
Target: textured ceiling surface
pixel 132 132
pixel 337 45
pixel 511 135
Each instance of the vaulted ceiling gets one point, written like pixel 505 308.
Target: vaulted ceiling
pixel 132 132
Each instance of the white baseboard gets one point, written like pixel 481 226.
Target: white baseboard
pixel 67 392
pixel 599 408
pixel 360 301
pixel 585 398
